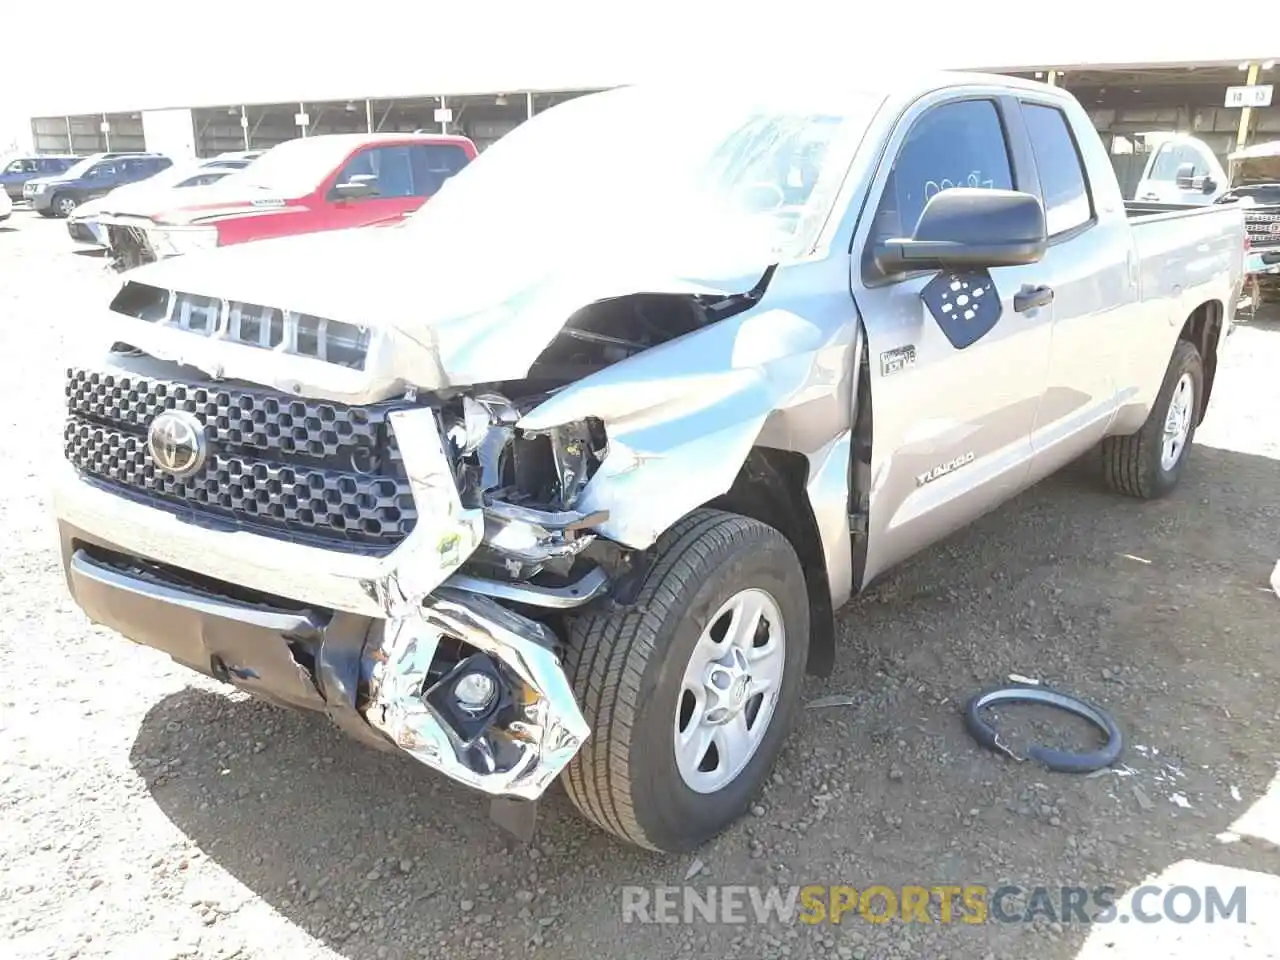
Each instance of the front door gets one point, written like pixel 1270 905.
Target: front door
pixel 951 425
pixel 392 170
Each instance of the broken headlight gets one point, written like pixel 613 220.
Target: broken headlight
pixel 527 483
pixel 176 241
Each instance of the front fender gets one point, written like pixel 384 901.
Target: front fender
pixel 682 417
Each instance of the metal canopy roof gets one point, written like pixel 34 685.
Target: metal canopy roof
pixel 254 52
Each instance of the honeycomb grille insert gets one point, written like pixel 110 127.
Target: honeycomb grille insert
pixel 322 471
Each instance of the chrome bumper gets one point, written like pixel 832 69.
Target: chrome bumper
pixel 372 680
pixel 536 733
pixel 374 586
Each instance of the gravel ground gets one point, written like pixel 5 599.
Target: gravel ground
pixel 148 813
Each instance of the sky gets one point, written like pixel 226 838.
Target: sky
pixel 145 54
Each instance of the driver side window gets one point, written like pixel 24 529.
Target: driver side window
pixel 957 144
pixel 390 166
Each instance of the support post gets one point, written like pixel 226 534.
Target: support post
pixel 368 115
pixel 1053 78
pixel 244 125
pixel 528 106
pixel 1246 113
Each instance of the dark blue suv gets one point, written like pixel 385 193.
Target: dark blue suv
pixel 16 171
pixel 93 176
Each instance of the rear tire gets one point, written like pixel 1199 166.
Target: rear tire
pixel 664 672
pixel 1149 463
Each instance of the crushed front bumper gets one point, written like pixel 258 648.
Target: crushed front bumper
pixel 380 680
pixel 379 643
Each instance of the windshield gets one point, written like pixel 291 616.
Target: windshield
pixel 293 168
pixel 1261 193
pixel 80 168
pixel 655 167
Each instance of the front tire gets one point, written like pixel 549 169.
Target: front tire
pixel 691 691
pixel 1149 463
pixel 64 205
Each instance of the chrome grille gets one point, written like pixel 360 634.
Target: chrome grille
pixel 319 471
pixel 1263 228
pixel 252 324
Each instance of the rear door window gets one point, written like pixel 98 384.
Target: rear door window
pixel 433 164
pixel 956 144
pixel 1062 178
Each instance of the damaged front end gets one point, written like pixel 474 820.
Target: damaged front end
pixel 464 684
pixel 460 518
pixel 476 691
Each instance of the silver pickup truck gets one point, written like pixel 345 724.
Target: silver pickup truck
pixel 567 475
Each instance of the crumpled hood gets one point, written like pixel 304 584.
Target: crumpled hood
pixel 189 205
pixel 462 315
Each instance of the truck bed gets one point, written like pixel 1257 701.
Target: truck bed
pixel 1185 250
pixel 1150 210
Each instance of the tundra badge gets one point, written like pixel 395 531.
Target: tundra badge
pixel 942 469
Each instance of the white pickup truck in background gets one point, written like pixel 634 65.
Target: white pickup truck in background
pixel 1182 170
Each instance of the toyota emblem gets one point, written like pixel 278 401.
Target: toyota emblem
pixel 177 443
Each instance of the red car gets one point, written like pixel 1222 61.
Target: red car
pixel 326 182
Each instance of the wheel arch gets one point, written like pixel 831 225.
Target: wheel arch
pixel 1203 329
pixel 771 488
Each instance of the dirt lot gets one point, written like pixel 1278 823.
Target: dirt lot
pixel 148 813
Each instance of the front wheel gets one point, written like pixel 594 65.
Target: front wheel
pixel 1148 463
pixel 64 205
pixel 691 691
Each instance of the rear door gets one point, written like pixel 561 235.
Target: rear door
pixel 1095 279
pixel 952 427
pixel 15 174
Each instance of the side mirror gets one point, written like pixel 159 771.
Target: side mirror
pixel 357 188
pixel 1210 185
pixel 970 228
pixel 1186 176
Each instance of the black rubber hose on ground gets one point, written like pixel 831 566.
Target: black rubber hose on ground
pixel 1059 760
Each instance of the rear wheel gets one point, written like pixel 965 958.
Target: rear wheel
pixel 691 691
pixel 1148 463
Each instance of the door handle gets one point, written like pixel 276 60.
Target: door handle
pixel 1151 196
pixel 1029 297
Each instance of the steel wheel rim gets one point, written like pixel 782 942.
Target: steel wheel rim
pixel 729 690
pixel 1177 422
